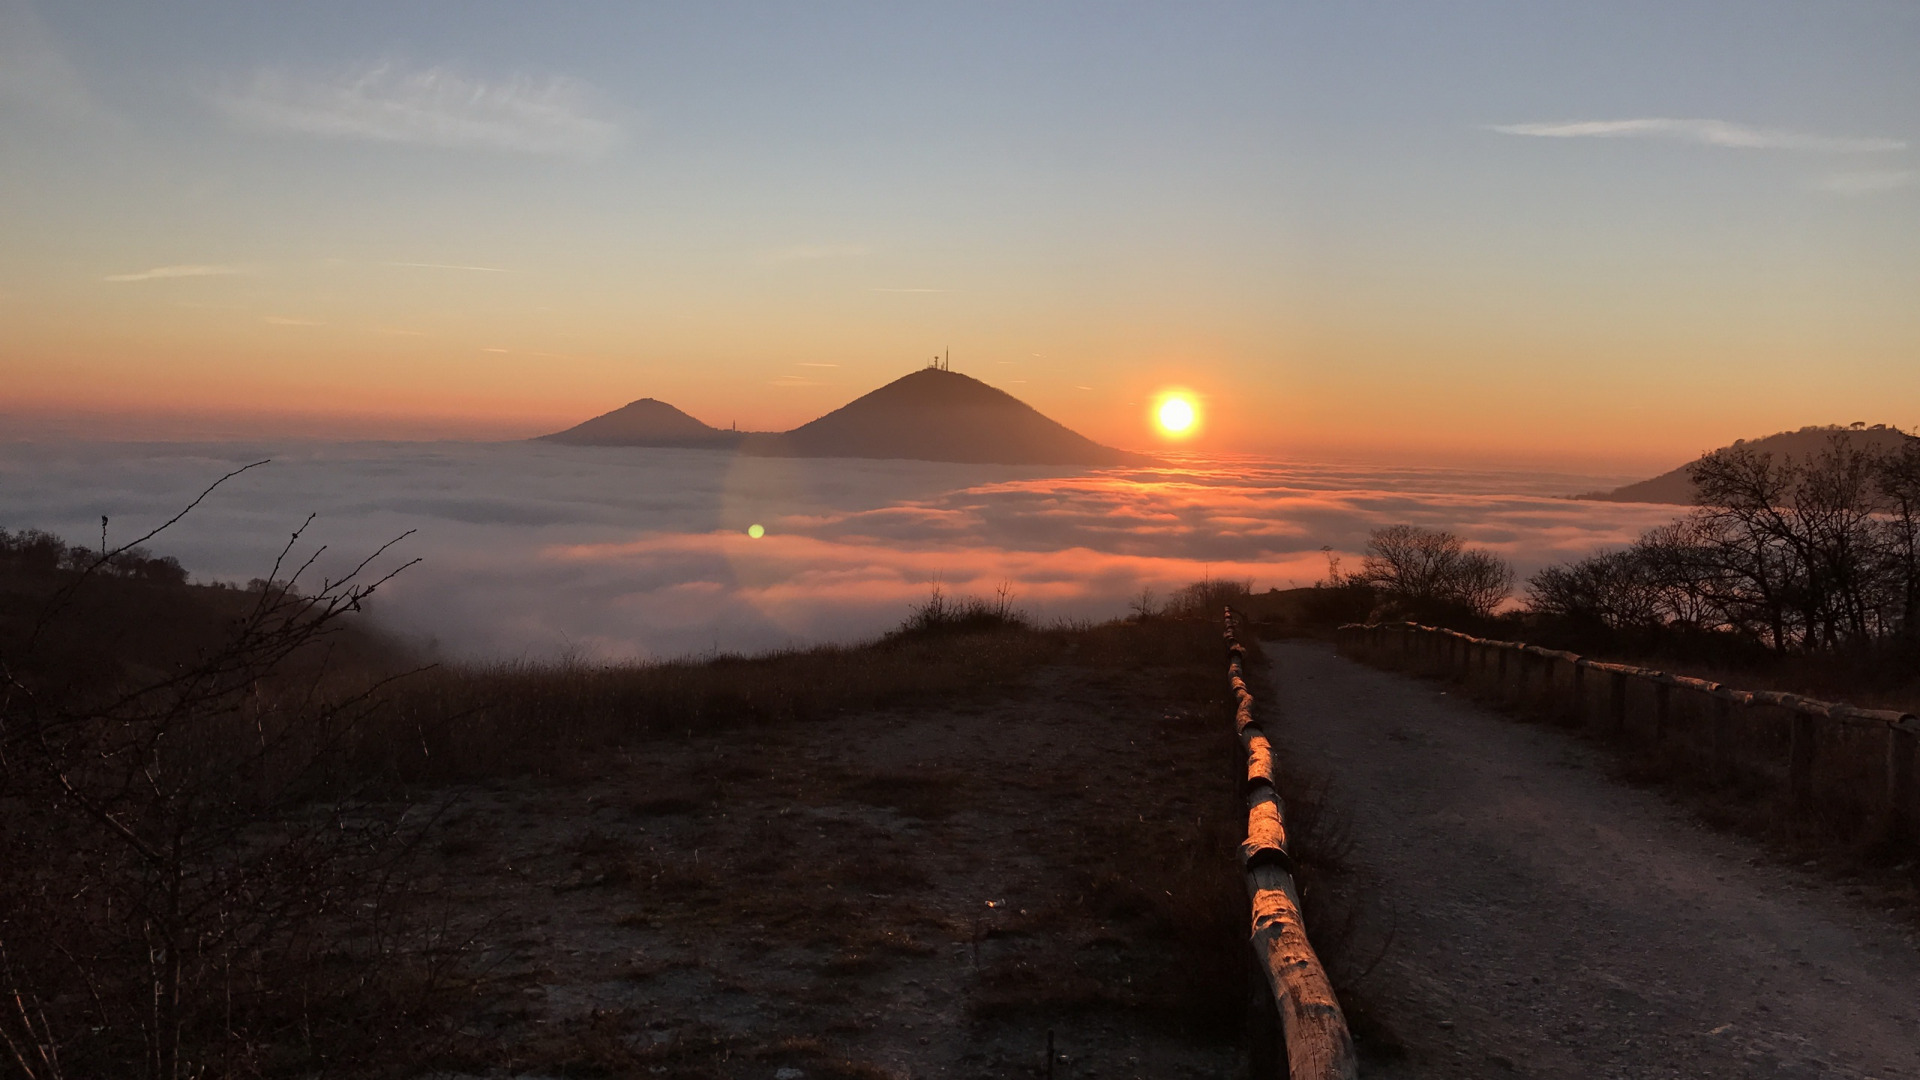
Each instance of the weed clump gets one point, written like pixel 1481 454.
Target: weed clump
pixel 942 616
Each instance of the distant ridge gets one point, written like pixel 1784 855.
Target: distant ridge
pixel 1676 488
pixel 930 415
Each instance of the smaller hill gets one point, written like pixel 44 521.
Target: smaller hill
pixel 647 422
pixel 1676 488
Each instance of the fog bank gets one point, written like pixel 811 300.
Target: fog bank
pixel 535 550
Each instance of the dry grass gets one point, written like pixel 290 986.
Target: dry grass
pixel 1057 851
pixel 1086 776
pixel 470 723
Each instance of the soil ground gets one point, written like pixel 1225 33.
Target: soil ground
pixel 1533 917
pixel 916 892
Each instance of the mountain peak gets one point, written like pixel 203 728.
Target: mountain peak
pixel 929 415
pixel 938 415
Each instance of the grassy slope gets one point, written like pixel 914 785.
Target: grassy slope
pixel 1087 778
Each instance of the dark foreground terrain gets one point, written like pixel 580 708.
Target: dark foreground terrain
pixel 922 890
pixel 250 842
pixel 1534 917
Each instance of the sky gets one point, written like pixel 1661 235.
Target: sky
pixel 1610 235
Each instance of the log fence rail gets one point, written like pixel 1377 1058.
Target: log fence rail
pixel 1314 1040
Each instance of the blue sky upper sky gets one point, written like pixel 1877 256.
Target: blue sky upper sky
pixel 1554 229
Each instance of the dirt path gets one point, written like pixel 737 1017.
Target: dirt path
pixel 1551 922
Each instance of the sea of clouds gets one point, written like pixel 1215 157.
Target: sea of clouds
pixel 530 550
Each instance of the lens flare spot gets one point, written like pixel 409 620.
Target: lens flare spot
pixel 756 531
pixel 1176 415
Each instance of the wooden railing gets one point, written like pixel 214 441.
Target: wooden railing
pixel 1313 1030
pixel 1848 758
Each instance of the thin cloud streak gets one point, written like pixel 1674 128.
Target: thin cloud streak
pixel 1870 182
pixel 161 273
pixel 433 106
pixel 452 266
pixel 815 253
pixel 1704 132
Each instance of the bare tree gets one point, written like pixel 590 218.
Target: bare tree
pixel 1427 570
pixel 1898 485
pixel 1819 554
pixel 1804 543
pixel 1616 590
pixel 175 880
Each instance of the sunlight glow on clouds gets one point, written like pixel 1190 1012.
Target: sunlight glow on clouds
pixel 433 106
pixel 533 550
pixel 1705 132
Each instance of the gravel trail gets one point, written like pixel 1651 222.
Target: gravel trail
pixel 1551 922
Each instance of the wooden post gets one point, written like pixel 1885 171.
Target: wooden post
pixel 1800 760
pixel 1617 704
pixel 1500 673
pixel 1901 742
pixel 1578 711
pixel 1266 1042
pixel 1721 739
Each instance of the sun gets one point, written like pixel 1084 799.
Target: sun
pixel 1176 414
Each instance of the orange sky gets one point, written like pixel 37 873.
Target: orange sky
pixel 1458 239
